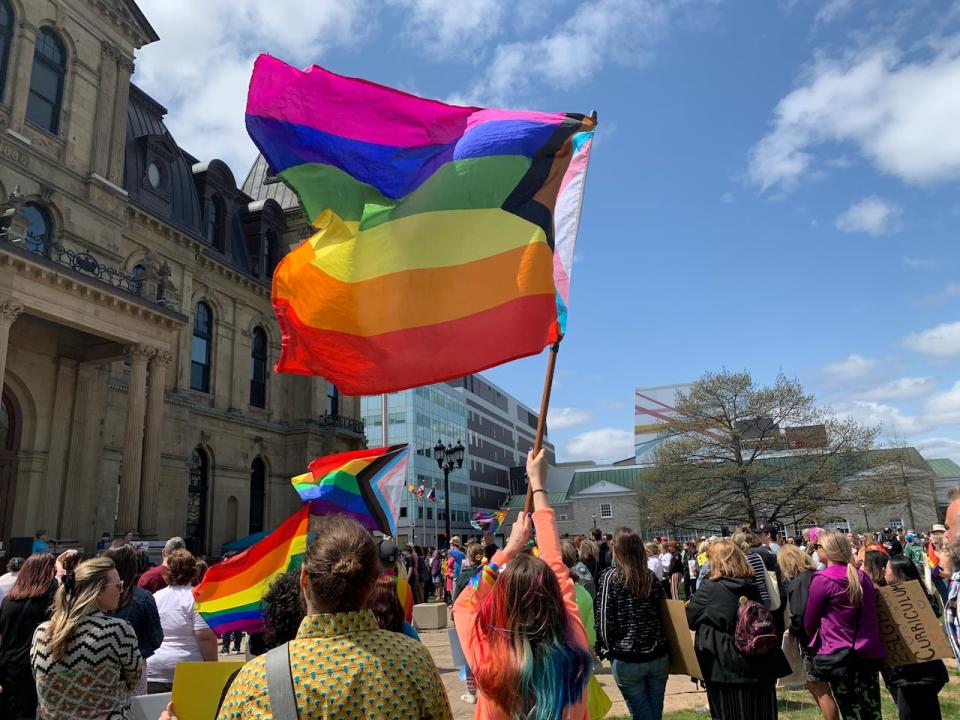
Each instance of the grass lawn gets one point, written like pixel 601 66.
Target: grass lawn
pixel 800 706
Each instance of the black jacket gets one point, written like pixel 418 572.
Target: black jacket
pixel 797 591
pixel 628 629
pixel 712 612
pixel 18 620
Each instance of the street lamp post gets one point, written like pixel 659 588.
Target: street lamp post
pixel 866 522
pixel 594 521
pixel 448 457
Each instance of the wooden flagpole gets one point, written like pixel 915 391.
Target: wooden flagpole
pixel 542 418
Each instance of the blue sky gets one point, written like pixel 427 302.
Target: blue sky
pixel 773 186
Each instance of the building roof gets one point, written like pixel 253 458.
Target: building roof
pixel 634 477
pixel 261 184
pixel 141 20
pixel 944 468
pixel 554 498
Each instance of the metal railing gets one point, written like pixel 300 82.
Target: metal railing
pixel 78 260
pixel 342 422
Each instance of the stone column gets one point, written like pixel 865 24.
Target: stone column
pixel 128 512
pixel 118 137
pixel 19 87
pixel 9 311
pixel 68 526
pixel 103 131
pixel 152 441
pixel 61 416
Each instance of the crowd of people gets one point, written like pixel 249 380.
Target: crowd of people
pixel 534 620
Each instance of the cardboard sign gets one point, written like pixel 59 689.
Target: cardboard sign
pixel 683 656
pixel 909 627
pixel 197 687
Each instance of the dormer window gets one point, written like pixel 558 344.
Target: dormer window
pixel 213 218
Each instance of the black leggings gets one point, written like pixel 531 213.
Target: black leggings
pixel 917 702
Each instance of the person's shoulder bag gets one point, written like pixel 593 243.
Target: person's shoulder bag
pixel 283 701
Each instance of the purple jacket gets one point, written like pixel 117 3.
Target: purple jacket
pixel 831 620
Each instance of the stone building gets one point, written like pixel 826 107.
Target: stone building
pixel 136 332
pixel 613 495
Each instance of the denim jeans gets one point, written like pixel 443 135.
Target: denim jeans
pixel 643 685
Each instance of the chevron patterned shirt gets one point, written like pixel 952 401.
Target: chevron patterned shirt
pixel 344 667
pixel 94 677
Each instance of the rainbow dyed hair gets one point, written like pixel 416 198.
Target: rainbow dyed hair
pixel 530 664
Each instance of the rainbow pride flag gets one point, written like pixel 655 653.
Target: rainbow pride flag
pixel 229 598
pixel 363 484
pixel 489 522
pixel 445 233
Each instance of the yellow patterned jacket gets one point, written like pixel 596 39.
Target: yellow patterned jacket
pixel 344 666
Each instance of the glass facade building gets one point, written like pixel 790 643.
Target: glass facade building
pixel 420 417
pixel 495 429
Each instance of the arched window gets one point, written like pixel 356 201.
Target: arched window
pixel 213 218
pixel 258 485
pixel 6 36
pixel 39 228
pixel 202 342
pixel 46 81
pixel 333 399
pixel 258 369
pixel 136 279
pixel 196 528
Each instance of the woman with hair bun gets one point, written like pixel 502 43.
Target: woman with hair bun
pixel 841 621
pixel 84 661
pixel 342 663
pixel 520 626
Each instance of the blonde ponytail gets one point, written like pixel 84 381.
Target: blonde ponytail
pixel 75 599
pixel 836 548
pixel 854 589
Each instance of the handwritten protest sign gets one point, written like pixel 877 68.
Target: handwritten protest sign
pixel 909 626
pixel 683 657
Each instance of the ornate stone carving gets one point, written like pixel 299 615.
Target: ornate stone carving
pixel 10 310
pixel 204 437
pixel 162 357
pixel 137 354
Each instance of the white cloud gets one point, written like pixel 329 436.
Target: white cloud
pixel 942 340
pixel 919 263
pixel 901 389
pixel 831 10
pixel 852 367
pixel 200 68
pixel 937 411
pixel 871 215
pixel 938 447
pixel 622 32
pixel 603 444
pixel 440 28
pixel 952 290
pixel 901 114
pixel 727 197
pixel 567 417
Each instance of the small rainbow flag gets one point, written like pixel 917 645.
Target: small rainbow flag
pixel 363 484
pixel 489 522
pixel 229 598
pixel 932 557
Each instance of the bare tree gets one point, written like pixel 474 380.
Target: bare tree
pixel 740 451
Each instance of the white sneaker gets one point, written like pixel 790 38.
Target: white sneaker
pixel 468 699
